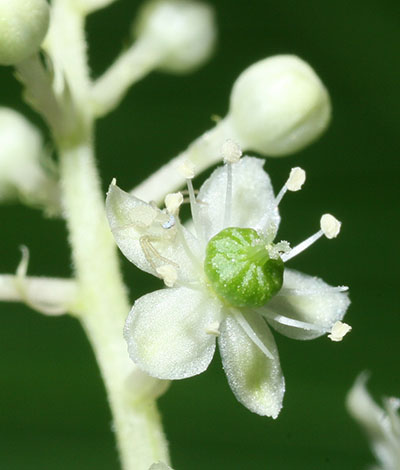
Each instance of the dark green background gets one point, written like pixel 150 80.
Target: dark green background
pixel 53 411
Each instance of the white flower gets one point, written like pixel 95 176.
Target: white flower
pixel 219 293
pixel 382 426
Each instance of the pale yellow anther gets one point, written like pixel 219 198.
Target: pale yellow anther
pixel 231 151
pixel 296 179
pixel 168 274
pixel 173 201
pixel 330 226
pixel 213 329
pixel 339 330
pixel 187 169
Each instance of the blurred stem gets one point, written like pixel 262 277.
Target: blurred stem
pixel 104 306
pixel 132 65
pixel 55 295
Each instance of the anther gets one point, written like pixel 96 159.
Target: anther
pixel 330 226
pixel 295 181
pixel 339 330
pixel 213 329
pixel 173 202
pixel 187 170
pixel 231 151
pixel 168 274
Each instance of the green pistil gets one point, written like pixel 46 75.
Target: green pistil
pixel 240 269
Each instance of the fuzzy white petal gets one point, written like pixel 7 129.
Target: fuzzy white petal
pixel 255 379
pixel 309 301
pixel 166 332
pixel 253 200
pixel 138 230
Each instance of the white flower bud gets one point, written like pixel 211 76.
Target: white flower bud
pixel 278 106
pixel 23 26
pixel 20 150
pixel 183 31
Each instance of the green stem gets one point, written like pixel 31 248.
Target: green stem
pixel 104 307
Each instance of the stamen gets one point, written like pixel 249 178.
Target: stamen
pixel 231 151
pixel 173 202
pixel 295 181
pixel 151 252
pixel 291 321
pixel 194 259
pixel 187 169
pixel 168 274
pixel 330 226
pixel 339 330
pixel 213 329
pixel 228 196
pixel 286 291
pixel 251 333
pixel 302 246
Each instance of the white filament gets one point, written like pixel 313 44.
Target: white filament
pixel 302 246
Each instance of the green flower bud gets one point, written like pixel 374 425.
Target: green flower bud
pixel 278 106
pixel 183 32
pixel 240 269
pixel 23 26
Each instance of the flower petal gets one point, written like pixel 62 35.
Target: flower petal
pixel 255 379
pixel 306 307
pixel 138 230
pixel 166 332
pixel 253 200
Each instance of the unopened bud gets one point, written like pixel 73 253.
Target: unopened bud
pixel 21 172
pixel 183 31
pixel 278 106
pixel 23 26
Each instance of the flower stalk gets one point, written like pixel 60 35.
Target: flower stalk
pixel 103 308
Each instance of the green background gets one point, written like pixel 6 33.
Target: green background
pixel 53 411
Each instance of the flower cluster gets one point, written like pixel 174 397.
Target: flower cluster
pixel 226 280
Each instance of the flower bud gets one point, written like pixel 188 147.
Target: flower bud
pixel 183 31
pixel 278 106
pixel 23 26
pixel 21 174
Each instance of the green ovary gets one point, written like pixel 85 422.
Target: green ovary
pixel 240 269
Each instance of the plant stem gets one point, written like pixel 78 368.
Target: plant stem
pixel 104 306
pixel 55 292
pixel 132 65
